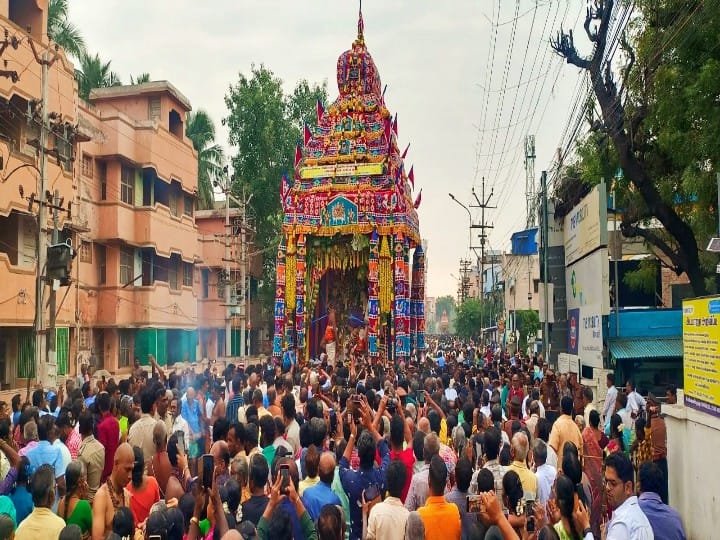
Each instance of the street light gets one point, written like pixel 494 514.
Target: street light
pixel 469 218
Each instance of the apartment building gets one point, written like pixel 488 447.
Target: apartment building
pixel 138 185
pixel 25 26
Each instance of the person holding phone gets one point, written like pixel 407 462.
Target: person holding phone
pixel 278 494
pixel 355 482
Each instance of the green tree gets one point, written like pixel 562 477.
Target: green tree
pixel 528 324
pixel 140 79
pixel 468 320
pixel 265 125
pixel 658 122
pixel 62 31
pixel 94 73
pixel 200 130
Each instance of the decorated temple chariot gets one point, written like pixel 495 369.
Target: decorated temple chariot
pixel 350 276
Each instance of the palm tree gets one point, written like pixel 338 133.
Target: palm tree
pixel 142 78
pixel 62 31
pixel 201 131
pixel 94 73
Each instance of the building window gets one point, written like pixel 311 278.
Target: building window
pixel 102 173
pixel 64 149
pixel 187 274
pixel 84 339
pixel 124 347
pixel 154 108
pixel 87 166
pixel 174 200
pixel 85 252
pixel 221 284
pixel 205 277
pixel 127 256
pixel 127 185
pixel 174 272
pixel 536 286
pixel 102 264
pixel 188 205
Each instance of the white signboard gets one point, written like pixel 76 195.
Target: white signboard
pixel 585 334
pixel 588 282
pixel 585 227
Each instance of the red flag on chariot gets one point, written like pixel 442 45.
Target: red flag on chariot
pixel 320 111
pixel 388 129
pixel 395 127
pixel 418 200
pixel 308 134
pixel 411 177
pixel 406 151
pixel 298 154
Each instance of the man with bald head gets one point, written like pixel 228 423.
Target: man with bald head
pixel 221 456
pixel 424 425
pixel 112 494
pixel 317 496
pixel 520 446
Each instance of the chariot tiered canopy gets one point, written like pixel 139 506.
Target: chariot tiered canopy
pixel 350 224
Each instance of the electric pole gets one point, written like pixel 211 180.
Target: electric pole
pixel 54 284
pixel 41 258
pixel 530 180
pixel 484 204
pixel 544 237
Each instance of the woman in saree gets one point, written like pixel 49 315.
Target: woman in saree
pixel 593 468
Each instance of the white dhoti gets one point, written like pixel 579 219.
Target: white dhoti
pixel 330 351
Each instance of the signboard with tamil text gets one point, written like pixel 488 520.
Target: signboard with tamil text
pixel 701 354
pixel 585 227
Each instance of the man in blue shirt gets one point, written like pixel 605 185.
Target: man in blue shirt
pixel 664 520
pixel 355 482
pixel 317 496
pixel 190 411
pixel 233 406
pixel 47 454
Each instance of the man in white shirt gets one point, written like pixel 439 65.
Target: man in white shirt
pixel 610 398
pixel 628 520
pixel 387 519
pixel 588 404
pixel 545 473
pixel 635 402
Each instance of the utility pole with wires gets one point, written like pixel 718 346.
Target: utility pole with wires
pixel 484 204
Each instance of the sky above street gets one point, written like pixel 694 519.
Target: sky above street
pixel 469 80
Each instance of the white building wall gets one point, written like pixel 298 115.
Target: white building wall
pixel 693 444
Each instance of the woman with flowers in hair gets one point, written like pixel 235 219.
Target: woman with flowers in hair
pixel 617 442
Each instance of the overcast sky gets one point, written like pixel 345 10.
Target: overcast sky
pixel 468 79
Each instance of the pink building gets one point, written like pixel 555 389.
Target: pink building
pixel 138 185
pixel 20 184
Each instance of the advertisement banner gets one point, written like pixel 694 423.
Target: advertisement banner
pixel 585 227
pixel 585 335
pixel 701 354
pixel 588 282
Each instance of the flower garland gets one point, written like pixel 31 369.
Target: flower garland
pixel 385 277
pixel 290 275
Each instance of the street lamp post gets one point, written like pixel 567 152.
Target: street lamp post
pixel 470 228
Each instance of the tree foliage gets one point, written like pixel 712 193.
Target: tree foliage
pixel 658 122
pixel 468 321
pixel 94 73
pixel 528 324
pixel 265 124
pixel 140 79
pixel 62 31
pixel 201 131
